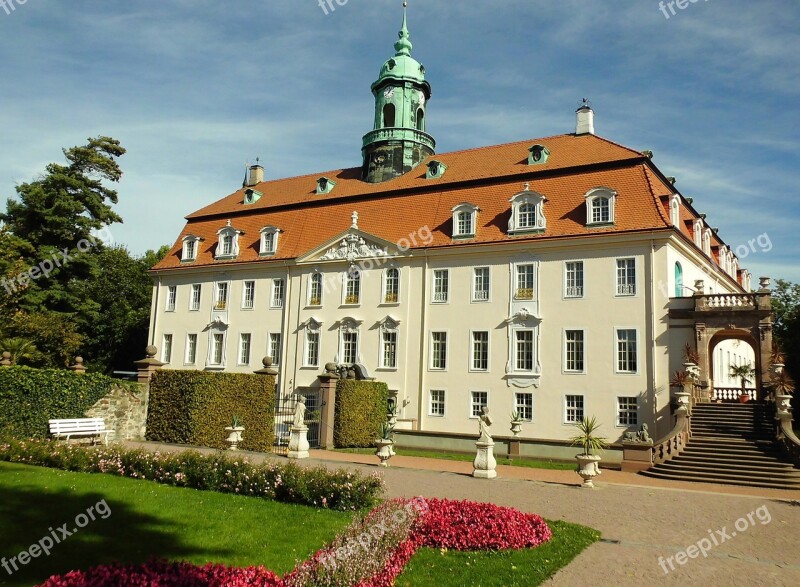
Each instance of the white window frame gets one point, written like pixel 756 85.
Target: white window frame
pixel 196 297
pixel 268 242
pixel 698 233
pixel 518 404
pixel 431 361
pixel 621 290
pixel 277 302
pixel 252 299
pixel 515 346
pixel 675 210
pixel 188 359
pixel 275 356
pixel 212 359
pixel 575 291
pixel 245 343
pixel 219 302
pixel 567 408
pixel 488 295
pixel 385 289
pixel 167 348
pixel 565 347
pixel 172 298
pixel 344 345
pixel 592 198
pixel 315 276
pixel 443 403
pixel 472 355
pixel 223 251
pixel 352 276
pixel 438 296
pixel 707 234
pixel 518 274
pixel 383 350
pixel 313 333
pixel 515 224
pixel 472 405
pixel 627 411
pixel 191 244
pixel 637 352
pixel 470 213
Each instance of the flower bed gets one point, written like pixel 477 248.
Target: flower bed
pixel 285 482
pixel 371 552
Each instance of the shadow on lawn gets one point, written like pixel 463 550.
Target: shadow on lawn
pixel 27 512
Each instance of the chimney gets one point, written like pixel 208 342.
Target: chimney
pixel 255 176
pixel 585 122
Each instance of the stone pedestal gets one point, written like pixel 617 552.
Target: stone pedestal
pixel 147 366
pixel 298 442
pixel 485 463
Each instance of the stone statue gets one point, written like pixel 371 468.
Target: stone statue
pixel 483 425
pixel 642 435
pixel 299 412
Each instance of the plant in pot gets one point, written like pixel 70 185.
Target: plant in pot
pixel 783 387
pixel 681 381
pixel 385 444
pixel 391 413
pixel 588 460
pixel 516 422
pixel 234 433
pixel 777 360
pixel 744 373
pixel 692 360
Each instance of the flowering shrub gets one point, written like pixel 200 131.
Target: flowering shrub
pixel 285 482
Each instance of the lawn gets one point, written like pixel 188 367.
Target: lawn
pixel 457 456
pixel 149 520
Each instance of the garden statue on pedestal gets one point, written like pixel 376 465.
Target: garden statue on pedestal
pixel 298 439
pixel 485 463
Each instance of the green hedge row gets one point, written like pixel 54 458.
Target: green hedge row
pixel 361 408
pixel 31 397
pixel 194 407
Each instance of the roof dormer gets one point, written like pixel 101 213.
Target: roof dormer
pixel 538 154
pixel 325 185
pixel 228 242
pixel 251 196
pixel 269 241
pixel 600 206
pixel 465 219
pixel 435 169
pixel 527 212
pixel 191 244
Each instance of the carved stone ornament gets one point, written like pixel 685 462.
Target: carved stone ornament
pixel 353 247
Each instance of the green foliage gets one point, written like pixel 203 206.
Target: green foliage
pixel 54 335
pixel 22 350
pixel 361 408
pixel 786 305
pixel 587 436
pixel 31 397
pixel 743 372
pixel 194 407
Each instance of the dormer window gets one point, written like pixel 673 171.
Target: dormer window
pixel 435 170
pixel 228 245
pixel 675 210
pixel 325 185
pixel 538 154
pixel 251 196
pixel 464 220
pixel 707 241
pixel 269 240
pixel 600 206
pixel 191 244
pixel 527 213
pixel 698 233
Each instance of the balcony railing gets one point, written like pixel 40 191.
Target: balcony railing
pixel 575 291
pixel 390 298
pixel 351 299
pixel 400 134
pixel 481 295
pixel 221 305
pixel 524 293
pixel 626 289
pixel 730 301
pixel 732 393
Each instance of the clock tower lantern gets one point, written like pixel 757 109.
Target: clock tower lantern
pixel 398 142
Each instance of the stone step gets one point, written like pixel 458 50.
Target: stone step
pixel 732 452
pixel 677 464
pixel 764 463
pixel 720 481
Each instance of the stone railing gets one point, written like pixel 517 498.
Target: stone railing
pixel 399 134
pixel 784 434
pixel 727 302
pixel 640 456
pixel 732 393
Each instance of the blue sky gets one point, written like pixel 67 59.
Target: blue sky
pixel 194 88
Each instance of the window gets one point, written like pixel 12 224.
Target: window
pixel 480 284
pixel 573 409
pixel 194 302
pixel 312 348
pixel 573 351
pixel 315 289
pixel 527 216
pixel 678 280
pixel 389 350
pixel 480 351
pixel 228 244
pixel 478 400
pixel 464 220
pixel 244 349
pixel 269 240
pixel 353 286
pixel 277 293
pixel 217 348
pixel 222 296
pixel 675 210
pixel 349 347
pixel 421 119
pixel 573 283
pixel 707 241
pixel 166 351
pixel 191 349
pixel 626 351
pixel 525 282
pixel 527 213
pixel 627 411
pixel 600 206
pixel 172 293
pixel 189 250
pixel 436 406
pixel 438 350
pixel 274 350
pixel 523 403
pixel 391 286
pixel 249 295
pixel 441 285
pixel 626 277
pixel 388 116
pixel 523 350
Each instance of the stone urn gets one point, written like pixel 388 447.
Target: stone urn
pixel 588 468
pixel 682 398
pixel 234 436
pixel 385 450
pixel 516 427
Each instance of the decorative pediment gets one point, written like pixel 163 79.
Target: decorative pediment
pixel 352 246
pixel 349 325
pixel 522 316
pixel 389 324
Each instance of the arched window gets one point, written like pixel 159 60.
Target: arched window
pixel 315 289
pixel 388 116
pixel 464 220
pixel 527 213
pixel 678 280
pixel 421 120
pixel 352 292
pixel 675 210
pixel 391 286
pixel 600 206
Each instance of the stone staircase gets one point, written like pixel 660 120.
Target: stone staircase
pixel 731 444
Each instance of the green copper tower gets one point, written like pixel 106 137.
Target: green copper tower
pixel 398 142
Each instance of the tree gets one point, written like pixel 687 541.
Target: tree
pixel 786 305
pixel 743 372
pixel 22 350
pixel 55 337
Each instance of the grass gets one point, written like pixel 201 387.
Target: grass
pixel 149 520
pixel 456 456
pixel 508 568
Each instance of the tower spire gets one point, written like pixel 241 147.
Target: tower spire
pixel 403 46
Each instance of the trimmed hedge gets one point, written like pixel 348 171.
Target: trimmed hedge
pixel 30 397
pixel 361 408
pixel 194 407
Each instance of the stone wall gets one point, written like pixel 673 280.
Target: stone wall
pixel 124 411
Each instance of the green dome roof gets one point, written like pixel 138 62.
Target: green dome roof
pixel 403 67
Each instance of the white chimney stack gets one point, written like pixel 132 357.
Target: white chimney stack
pixel 256 175
pixel 585 122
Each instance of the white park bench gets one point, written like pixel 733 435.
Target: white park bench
pixel 68 428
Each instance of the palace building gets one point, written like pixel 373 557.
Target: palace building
pixel 545 276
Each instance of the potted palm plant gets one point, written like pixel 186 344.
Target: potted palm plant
pixel 783 386
pixel 692 360
pixel 743 372
pixel 385 444
pixel 681 381
pixel 589 460
pixel 777 360
pixel 516 422
pixel 234 433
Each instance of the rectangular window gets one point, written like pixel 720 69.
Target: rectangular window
pixel 627 411
pixel 391 294
pixel 166 351
pixel 523 403
pixel 573 351
pixel 389 351
pixel 626 351
pixel 525 275
pixel 191 349
pixel 601 210
pixel 194 303
pixel 523 361
pixel 315 289
pixel 352 293
pixel 222 296
pixel 573 409
pixel 480 284
pixel 480 351
pixel 626 277
pixel 441 285
pixel 573 285
pixel 218 348
pixel 190 250
pixel 312 349
pixel 172 294
pixel 464 226
pixel 269 242
pixel 274 350
pixel 350 348
pixel 227 245
pixel 249 295
pixel 277 293
pixel 438 350
pixel 478 400
pixel 436 403
pixel 244 349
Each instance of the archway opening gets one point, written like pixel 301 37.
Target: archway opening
pixel 734 367
pixel 389 116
